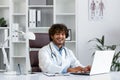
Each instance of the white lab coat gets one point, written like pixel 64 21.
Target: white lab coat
pixel 56 63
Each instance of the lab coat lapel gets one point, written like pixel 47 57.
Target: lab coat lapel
pixel 58 58
pixel 64 58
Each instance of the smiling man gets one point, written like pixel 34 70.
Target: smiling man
pixel 55 57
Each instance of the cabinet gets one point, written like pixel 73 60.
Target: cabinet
pixel 35 16
pixel 40 15
pixel 18 54
pixel 4 30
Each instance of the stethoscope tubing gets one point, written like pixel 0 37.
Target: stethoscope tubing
pixel 53 54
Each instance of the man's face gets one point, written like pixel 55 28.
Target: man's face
pixel 59 38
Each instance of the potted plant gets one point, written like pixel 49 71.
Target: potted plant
pixel 100 45
pixel 3 22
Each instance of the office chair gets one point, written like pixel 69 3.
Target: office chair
pixel 41 40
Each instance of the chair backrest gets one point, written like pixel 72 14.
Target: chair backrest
pixel 41 40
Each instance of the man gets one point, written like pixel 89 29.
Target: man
pixel 55 57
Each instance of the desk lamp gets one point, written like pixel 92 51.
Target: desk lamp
pixel 27 35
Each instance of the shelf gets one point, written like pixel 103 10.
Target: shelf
pixel 19 14
pixel 19 57
pixel 45 16
pixel 65 14
pixel 39 28
pixel 5 47
pixel 47 6
pixel 19 42
pixel 4 6
pixel 4 28
pixel 40 2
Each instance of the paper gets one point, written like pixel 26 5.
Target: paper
pixel 56 74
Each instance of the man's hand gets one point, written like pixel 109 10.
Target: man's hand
pixel 71 70
pixel 87 68
pixel 79 69
pixel 76 69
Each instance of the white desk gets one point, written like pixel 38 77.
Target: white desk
pixel 40 76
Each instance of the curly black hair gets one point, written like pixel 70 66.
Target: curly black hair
pixel 57 28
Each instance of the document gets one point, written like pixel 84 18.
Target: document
pixel 56 74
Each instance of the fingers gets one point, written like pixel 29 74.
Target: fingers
pixel 79 69
pixel 87 68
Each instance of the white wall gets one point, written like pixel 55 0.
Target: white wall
pixel 86 29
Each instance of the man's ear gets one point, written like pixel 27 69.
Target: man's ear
pixel 51 37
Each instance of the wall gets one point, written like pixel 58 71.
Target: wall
pixel 87 29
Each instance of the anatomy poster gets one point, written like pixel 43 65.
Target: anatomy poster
pixel 96 9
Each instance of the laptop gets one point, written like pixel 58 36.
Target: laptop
pixel 101 63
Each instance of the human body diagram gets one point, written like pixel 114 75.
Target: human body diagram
pixel 96 9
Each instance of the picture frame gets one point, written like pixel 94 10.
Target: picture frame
pixel 70 35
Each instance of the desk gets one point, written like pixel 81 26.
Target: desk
pixel 40 76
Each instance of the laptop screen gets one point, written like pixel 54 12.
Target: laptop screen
pixel 102 62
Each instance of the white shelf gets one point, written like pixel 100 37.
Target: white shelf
pixel 66 14
pixel 19 56
pixel 5 47
pixel 19 14
pixel 47 6
pixel 39 28
pixel 4 28
pixel 4 6
pixel 19 42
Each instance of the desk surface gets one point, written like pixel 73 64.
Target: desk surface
pixel 41 76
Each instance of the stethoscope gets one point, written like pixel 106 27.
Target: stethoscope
pixel 54 55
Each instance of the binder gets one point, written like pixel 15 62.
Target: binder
pixel 32 18
pixel 38 18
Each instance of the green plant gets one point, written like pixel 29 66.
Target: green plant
pixel 2 22
pixel 100 45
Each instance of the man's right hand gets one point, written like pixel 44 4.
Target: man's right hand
pixel 76 69
pixel 79 69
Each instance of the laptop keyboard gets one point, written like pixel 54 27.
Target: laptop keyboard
pixel 79 73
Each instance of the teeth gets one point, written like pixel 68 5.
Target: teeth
pixel 59 39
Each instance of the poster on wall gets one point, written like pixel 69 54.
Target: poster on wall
pixel 96 9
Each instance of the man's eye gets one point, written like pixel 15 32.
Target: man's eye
pixel 57 34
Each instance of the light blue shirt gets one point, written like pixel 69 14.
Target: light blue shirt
pixel 60 52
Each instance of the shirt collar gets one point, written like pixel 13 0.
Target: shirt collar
pixel 58 49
